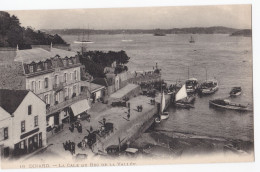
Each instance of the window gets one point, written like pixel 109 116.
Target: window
pixel 36 121
pixel 75 89
pixel 31 68
pixel 33 86
pixel 46 98
pixel 29 109
pixel 75 75
pixel 45 65
pixel 22 144
pixel 66 92
pixel 71 77
pixel 65 62
pixel 39 85
pixel 6 133
pixel 39 68
pixel 23 126
pixel 65 77
pixel 46 80
pixel 56 79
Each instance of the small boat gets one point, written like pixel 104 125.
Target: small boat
pixel 83 42
pixel 163 115
pixel 183 100
pixel 191 85
pixel 208 87
pixel 236 91
pixel 191 40
pixel 157 120
pixel 227 104
pixel 126 40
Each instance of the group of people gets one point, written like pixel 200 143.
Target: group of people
pixel 70 146
pixel 76 125
pixel 152 101
pixel 139 108
pixel 83 144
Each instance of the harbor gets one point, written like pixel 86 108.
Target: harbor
pixel 90 95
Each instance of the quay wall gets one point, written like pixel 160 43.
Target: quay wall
pixel 131 131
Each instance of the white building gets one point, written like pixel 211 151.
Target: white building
pixel 23 122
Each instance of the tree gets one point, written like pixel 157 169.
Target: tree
pixel 12 34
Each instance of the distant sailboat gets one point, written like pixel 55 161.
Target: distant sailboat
pixel 192 40
pixel 126 40
pixel 83 41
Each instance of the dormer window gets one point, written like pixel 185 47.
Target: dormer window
pixel 45 65
pixel 31 68
pixel 64 62
pixel 39 67
pixel 70 61
pixel 74 60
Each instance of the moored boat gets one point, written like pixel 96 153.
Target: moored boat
pixel 208 87
pixel 191 40
pixel 227 104
pixel 163 115
pixel 236 91
pixel 191 85
pixel 183 100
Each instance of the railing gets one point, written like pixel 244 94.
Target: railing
pixel 59 86
pixel 68 102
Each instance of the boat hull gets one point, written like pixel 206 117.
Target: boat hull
pixel 229 107
pixel 208 91
pixel 165 116
pixel 183 105
pixel 157 120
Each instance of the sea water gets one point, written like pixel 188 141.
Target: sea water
pixel 225 58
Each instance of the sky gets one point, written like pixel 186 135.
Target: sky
pixel 235 16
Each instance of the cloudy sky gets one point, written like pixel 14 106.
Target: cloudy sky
pixel 235 16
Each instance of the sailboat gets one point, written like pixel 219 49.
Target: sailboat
pixel 182 99
pixel 126 40
pixel 83 41
pixel 208 87
pixel 162 114
pixel 192 40
pixel 191 84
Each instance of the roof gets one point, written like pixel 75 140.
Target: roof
pixel 11 99
pixel 192 79
pixel 100 81
pixel 30 55
pixel 62 53
pixel 12 76
pixel 40 54
pixel 92 86
pixel 124 91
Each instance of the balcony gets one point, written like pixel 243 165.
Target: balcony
pixel 58 87
pixel 66 103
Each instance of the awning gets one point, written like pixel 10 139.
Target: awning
pixel 80 107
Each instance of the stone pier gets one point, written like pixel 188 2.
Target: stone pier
pixel 127 130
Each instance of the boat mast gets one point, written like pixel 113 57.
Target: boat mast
pixel 206 74
pixel 188 72
pixel 88 32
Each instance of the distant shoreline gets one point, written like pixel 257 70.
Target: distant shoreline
pixel 191 30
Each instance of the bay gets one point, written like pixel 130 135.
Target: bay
pixel 227 59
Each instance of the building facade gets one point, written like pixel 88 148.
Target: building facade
pixel 23 122
pixel 54 76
